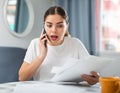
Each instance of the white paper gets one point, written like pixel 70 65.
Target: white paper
pixel 74 68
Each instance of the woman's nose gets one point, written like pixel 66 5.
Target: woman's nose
pixel 53 29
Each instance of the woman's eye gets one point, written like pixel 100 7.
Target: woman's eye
pixel 59 26
pixel 49 26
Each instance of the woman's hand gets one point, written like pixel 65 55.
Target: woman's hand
pixel 91 79
pixel 43 48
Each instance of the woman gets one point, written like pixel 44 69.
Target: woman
pixel 40 58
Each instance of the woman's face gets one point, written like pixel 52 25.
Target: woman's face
pixel 55 27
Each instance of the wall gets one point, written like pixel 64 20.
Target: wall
pixel 9 40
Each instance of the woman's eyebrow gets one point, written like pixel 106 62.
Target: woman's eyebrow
pixel 59 22
pixel 48 22
pixel 52 23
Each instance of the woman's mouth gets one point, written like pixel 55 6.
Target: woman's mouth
pixel 54 37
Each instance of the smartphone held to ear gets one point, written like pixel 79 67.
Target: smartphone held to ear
pixel 45 41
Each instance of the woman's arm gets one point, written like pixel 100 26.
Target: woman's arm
pixel 28 69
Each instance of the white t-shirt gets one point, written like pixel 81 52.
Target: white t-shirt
pixel 70 48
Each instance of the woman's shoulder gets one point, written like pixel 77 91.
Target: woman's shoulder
pixel 34 41
pixel 73 39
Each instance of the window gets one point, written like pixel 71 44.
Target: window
pixel 11 11
pixel 109 35
pixel 17 15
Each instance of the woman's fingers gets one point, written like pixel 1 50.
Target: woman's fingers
pixel 91 79
pixel 95 74
pixel 42 36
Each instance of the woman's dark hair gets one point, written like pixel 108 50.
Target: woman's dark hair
pixel 57 10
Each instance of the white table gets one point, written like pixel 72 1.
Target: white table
pixel 47 87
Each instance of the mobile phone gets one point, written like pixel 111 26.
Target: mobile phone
pixel 45 41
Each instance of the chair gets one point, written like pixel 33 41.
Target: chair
pixel 11 59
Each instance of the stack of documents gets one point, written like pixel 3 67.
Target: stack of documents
pixel 72 70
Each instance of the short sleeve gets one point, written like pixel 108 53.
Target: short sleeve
pixel 81 49
pixel 29 54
